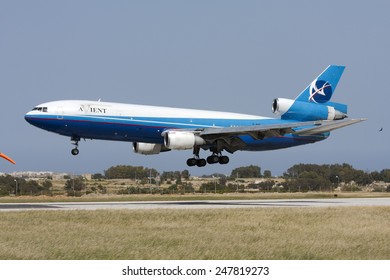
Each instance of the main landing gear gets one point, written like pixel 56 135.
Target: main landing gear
pixel 213 159
pixel 75 141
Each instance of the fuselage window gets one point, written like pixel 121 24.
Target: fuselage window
pixel 40 109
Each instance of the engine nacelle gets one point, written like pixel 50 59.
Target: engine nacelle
pixel 308 111
pixel 147 148
pixel 281 105
pixel 182 140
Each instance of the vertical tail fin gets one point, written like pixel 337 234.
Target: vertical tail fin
pixel 322 88
pixel 313 103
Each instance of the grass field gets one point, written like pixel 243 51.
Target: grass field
pixel 263 233
pixel 176 197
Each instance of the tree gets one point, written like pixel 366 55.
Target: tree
pixel 33 188
pixel 185 174
pixel 250 171
pixel 97 176
pixel 171 176
pixel 75 186
pixel 266 185
pixel 7 185
pixel 385 174
pixel 267 174
pixel 130 172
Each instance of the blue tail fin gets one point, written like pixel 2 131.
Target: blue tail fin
pixel 323 87
pixel 313 103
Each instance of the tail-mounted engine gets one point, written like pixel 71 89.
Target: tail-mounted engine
pixel 308 111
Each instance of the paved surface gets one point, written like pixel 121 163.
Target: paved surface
pixel 197 204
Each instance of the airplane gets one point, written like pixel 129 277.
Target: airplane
pixel 7 158
pixel 153 129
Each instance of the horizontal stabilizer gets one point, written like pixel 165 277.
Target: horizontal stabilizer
pixel 326 126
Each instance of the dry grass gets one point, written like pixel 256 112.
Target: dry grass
pixel 264 233
pixel 176 197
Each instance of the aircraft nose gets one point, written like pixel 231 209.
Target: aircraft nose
pixel 27 117
pixel 32 118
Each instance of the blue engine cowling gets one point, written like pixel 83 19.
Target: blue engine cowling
pixel 308 111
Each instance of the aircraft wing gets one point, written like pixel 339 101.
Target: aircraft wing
pixel 327 126
pixel 259 132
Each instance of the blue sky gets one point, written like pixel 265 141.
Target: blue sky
pixel 220 55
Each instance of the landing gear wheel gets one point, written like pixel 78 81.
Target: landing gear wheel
pixel 191 161
pixel 75 151
pixel 201 162
pixel 223 160
pixel 212 159
pixel 75 141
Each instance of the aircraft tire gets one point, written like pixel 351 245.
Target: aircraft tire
pixel 224 160
pixel 191 162
pixel 212 159
pixel 201 162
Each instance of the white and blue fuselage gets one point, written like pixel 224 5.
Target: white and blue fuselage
pixel 146 124
pixel 153 129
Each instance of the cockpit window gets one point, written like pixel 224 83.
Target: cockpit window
pixel 40 109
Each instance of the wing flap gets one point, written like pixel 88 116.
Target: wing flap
pixel 258 132
pixel 326 126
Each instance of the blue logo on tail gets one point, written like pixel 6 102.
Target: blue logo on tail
pixel 320 91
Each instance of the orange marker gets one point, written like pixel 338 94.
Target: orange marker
pixel 7 158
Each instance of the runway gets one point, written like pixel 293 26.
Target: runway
pixel 197 204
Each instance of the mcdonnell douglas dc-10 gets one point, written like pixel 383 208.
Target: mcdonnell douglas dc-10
pixel 307 119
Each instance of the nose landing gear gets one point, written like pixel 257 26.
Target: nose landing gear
pixel 75 151
pixel 75 141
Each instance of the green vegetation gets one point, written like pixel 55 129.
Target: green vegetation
pixel 130 180
pixel 250 171
pixel 262 233
pixel 130 172
pixel 186 197
pixel 327 175
pixel 10 185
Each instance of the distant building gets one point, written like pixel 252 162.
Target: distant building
pixel 87 176
pixel 38 175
